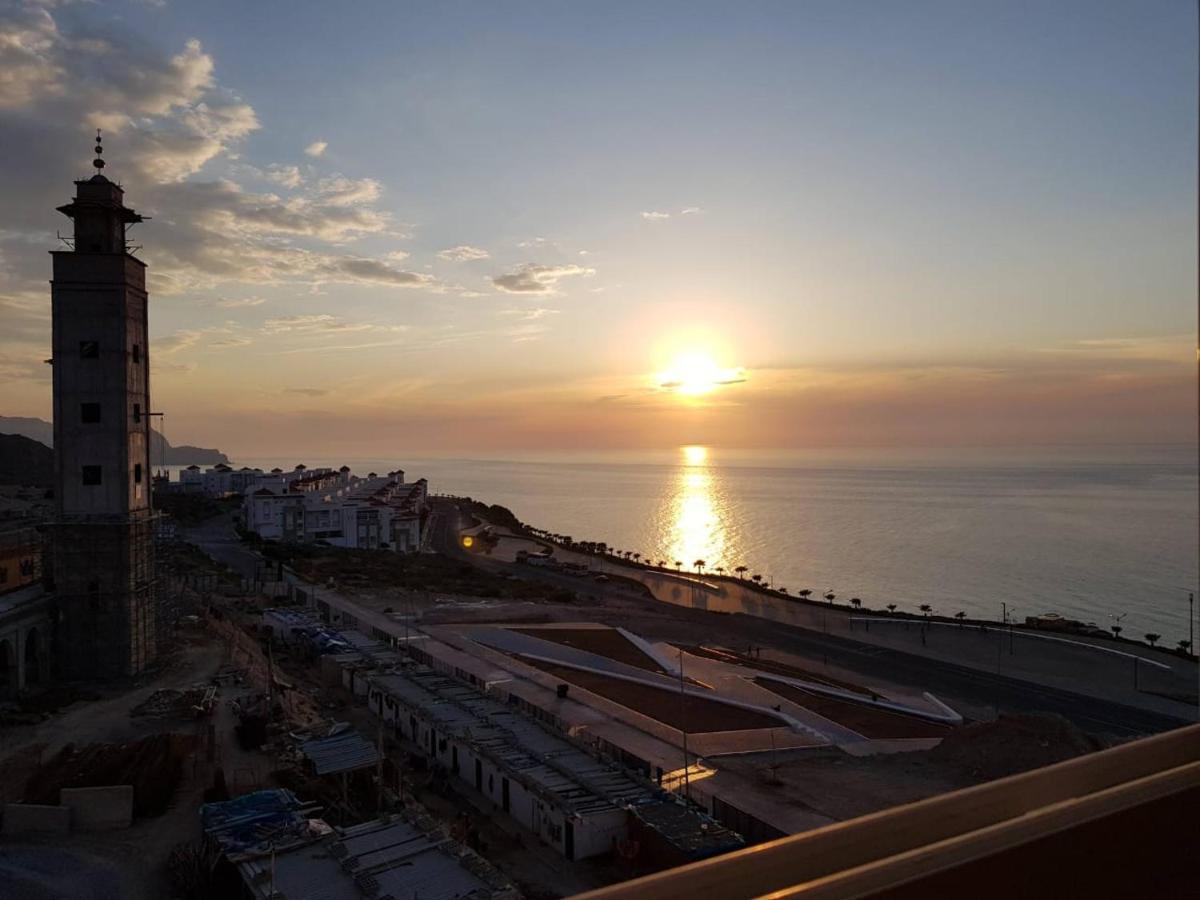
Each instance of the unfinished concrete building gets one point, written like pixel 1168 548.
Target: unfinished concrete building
pixel 103 535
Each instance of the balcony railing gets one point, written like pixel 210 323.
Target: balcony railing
pixel 1116 823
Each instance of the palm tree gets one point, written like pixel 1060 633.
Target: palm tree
pixel 757 579
pixel 782 590
pixel 1116 630
pixel 804 592
pixel 679 565
pixel 1185 645
pixel 1152 638
pixel 720 570
pixel 830 596
pixel 662 563
pixel 925 608
pixel 960 615
pixel 741 572
pixel 699 565
pixel 637 557
pixel 891 607
pixel 856 602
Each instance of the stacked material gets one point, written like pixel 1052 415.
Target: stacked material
pixel 259 822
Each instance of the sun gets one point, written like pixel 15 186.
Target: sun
pixel 695 373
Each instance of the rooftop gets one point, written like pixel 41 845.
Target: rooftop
pixel 390 858
pixel 343 752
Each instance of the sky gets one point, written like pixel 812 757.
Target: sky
pixel 484 227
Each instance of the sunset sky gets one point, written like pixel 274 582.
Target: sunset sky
pixel 517 226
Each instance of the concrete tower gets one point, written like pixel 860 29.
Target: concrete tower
pixel 103 537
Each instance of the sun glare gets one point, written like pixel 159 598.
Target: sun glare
pixel 696 373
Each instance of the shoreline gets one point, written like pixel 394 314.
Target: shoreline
pixel 1097 638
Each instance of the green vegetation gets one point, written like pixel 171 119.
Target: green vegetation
pixel 352 570
pixel 494 514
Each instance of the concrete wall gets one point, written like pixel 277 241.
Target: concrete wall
pixel 99 808
pixel 28 818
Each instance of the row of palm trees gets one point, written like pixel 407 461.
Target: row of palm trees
pixel 700 565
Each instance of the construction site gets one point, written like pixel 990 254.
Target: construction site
pixel 528 752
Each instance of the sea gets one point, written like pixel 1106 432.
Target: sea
pixel 1106 535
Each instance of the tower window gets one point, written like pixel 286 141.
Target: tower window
pixel 137 473
pixel 91 475
pixel 137 412
pixel 89 349
pixel 137 353
pixel 89 413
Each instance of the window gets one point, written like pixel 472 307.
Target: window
pixel 137 473
pixel 136 352
pixel 91 475
pixel 137 412
pixel 89 413
pixel 89 349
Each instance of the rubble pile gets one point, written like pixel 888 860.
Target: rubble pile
pixel 153 766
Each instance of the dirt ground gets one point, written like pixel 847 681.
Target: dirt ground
pixel 601 641
pixel 129 863
pixel 867 721
pixel 694 714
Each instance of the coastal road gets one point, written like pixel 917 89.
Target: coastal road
pixel 956 684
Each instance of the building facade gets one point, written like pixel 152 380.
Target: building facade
pixel 102 557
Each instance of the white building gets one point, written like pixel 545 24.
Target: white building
pixel 338 508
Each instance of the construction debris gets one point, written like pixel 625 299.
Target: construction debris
pixel 153 766
pixel 195 702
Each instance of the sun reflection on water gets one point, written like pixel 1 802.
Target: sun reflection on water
pixel 696 527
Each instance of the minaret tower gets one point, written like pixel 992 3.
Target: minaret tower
pixel 103 537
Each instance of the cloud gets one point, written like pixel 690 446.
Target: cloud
pixel 285 176
pixel 307 392
pixel 533 242
pixel 655 216
pixel 316 148
pixel 322 323
pixel 690 210
pixel 463 253
pixel 530 315
pixel 187 338
pixel 342 191
pixel 240 302
pixel 232 341
pixel 532 278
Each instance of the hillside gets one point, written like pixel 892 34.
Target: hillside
pixel 25 461
pixel 161 450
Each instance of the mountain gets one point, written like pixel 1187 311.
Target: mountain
pixel 161 450
pixel 25 461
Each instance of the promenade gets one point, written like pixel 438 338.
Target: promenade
pixel 1123 672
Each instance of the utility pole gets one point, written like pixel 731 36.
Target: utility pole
pixel 687 785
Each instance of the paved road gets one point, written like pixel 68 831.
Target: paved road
pixel 958 685
pixel 944 679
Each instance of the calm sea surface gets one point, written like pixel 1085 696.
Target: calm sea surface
pixel 1087 533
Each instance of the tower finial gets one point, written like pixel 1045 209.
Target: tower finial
pixel 98 162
